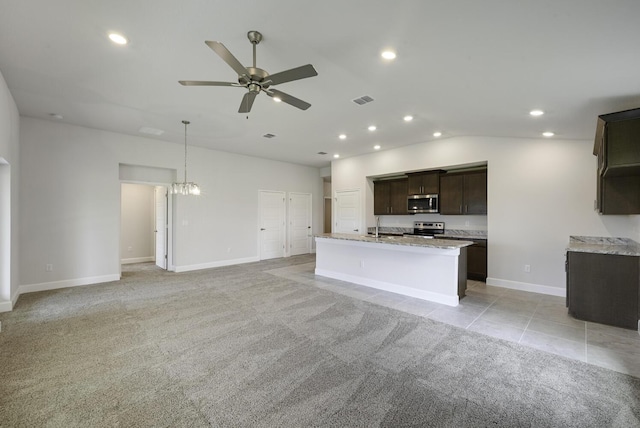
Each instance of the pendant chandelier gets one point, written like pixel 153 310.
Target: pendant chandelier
pixel 186 187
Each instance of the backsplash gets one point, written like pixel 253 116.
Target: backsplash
pixel 478 234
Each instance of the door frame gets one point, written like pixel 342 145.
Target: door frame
pixel 170 226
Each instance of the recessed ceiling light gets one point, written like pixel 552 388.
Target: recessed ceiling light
pixel 548 134
pixel 277 99
pixel 336 156
pixel 408 118
pixel 437 134
pixel 536 112
pixel 376 147
pixel 342 136
pixel 388 55
pixel 118 39
pixel 372 128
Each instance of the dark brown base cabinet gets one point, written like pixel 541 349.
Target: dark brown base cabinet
pixel 604 288
pixel 477 260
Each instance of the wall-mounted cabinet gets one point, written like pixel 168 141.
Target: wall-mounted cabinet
pixel 464 193
pixel 390 197
pixel 424 183
pixel 617 146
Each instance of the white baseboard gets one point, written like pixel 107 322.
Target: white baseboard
pixel 137 260
pixel 525 286
pixel 6 306
pixel 54 285
pixel 393 288
pixel 210 265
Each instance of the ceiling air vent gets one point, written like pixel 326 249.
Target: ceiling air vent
pixel 269 135
pixel 363 100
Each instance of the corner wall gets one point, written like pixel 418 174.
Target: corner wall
pixel 539 193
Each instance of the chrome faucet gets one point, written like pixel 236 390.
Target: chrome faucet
pixel 377 226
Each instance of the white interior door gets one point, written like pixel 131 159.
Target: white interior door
pixel 347 218
pixel 161 225
pixel 299 223
pixel 272 224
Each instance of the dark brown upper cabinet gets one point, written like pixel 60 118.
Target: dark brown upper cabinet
pixel 617 146
pixel 424 183
pixel 464 193
pixel 390 197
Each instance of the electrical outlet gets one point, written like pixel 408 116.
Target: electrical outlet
pixel 527 268
pixel 129 248
pixel 229 250
pixel 466 223
pixel 361 263
pixel 48 267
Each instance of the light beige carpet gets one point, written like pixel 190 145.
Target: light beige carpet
pixel 237 346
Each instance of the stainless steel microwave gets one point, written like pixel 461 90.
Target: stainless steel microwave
pixel 417 204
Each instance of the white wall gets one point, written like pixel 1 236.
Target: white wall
pixel 9 186
pixel 539 193
pixel 137 223
pixel 70 213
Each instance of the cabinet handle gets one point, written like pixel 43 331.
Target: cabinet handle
pixel 460 209
pixel 391 210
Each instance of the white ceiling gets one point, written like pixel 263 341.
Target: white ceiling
pixel 464 67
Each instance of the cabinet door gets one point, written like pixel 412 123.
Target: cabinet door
pixel 381 197
pixel 431 183
pixel 477 261
pixel 414 184
pixel 475 193
pixel 451 194
pixel 398 197
pixel 424 183
pixel 604 288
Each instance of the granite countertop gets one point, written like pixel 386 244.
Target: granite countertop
pixel 604 245
pixel 412 241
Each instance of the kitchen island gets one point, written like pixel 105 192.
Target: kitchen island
pixel 429 269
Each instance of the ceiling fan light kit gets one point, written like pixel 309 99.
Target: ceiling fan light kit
pixel 255 79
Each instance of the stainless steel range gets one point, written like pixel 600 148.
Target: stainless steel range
pixel 427 229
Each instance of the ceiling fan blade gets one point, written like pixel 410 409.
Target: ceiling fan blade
pixel 228 57
pixel 205 83
pixel 297 73
pixel 247 102
pixel 289 99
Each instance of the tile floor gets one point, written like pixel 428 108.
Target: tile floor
pixel 536 320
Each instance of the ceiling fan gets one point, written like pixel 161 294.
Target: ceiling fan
pixel 256 79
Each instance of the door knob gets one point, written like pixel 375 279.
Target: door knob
pixel 262 228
